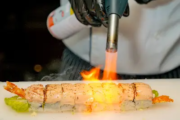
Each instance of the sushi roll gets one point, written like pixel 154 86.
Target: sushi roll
pixel 128 96
pixel 99 97
pixel 53 95
pixel 34 94
pixel 68 97
pixel 83 97
pixel 143 96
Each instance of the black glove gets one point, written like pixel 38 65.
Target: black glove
pixel 91 12
pixel 143 1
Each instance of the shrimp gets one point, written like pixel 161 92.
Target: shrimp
pixel 161 99
pixel 14 89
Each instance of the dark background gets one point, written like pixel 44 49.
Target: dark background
pixel 25 40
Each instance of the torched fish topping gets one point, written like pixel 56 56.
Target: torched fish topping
pixel 82 93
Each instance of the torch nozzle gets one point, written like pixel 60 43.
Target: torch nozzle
pixel 112 36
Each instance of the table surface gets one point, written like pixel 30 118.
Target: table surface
pixel 163 111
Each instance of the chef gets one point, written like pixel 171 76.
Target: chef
pixel 148 43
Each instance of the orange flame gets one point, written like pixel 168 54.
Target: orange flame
pixel 109 70
pixel 92 75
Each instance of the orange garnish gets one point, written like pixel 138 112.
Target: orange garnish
pixel 161 99
pixel 14 89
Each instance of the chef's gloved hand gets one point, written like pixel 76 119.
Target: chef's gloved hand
pixel 92 12
pixel 143 1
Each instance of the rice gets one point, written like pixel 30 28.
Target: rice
pixel 113 107
pixel 52 107
pixel 143 104
pixel 66 108
pixel 35 107
pixel 97 107
pixel 127 105
pixel 82 108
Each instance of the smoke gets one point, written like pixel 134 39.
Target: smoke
pixel 66 75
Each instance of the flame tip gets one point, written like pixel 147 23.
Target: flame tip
pixel 109 71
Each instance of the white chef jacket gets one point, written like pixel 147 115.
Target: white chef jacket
pixel 148 40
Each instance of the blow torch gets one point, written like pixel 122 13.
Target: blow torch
pixel 115 10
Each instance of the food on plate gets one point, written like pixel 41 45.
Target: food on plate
pixel 34 94
pixel 52 97
pixel 82 97
pixel 128 96
pixel 143 96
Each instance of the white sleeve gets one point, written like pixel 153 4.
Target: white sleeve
pixel 62 23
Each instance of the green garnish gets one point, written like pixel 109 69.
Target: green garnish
pixel 17 103
pixel 73 112
pixel 43 105
pixel 155 93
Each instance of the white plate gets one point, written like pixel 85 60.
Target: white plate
pixel 165 111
